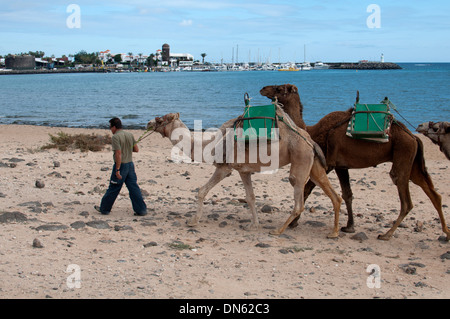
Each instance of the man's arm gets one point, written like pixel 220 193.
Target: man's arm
pixel 118 161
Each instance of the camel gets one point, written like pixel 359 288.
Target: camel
pixel 295 147
pixel 342 153
pixel 438 133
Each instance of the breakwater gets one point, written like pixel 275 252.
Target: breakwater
pixel 364 66
pixel 45 71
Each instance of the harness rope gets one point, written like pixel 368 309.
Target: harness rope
pixel 144 136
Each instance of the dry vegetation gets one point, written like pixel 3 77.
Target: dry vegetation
pixel 84 142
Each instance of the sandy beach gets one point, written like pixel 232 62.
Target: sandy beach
pixel 50 235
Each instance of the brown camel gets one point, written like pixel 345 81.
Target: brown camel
pixel 404 150
pixel 294 146
pixel 438 133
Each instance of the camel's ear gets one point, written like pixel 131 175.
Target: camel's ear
pixel 446 126
pixel 177 116
pixel 294 89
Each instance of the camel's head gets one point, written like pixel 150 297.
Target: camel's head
pixel 159 124
pixel 432 128
pixel 281 92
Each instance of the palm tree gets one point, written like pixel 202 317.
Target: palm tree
pixel 131 57
pixel 203 56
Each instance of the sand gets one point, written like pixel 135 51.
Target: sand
pixel 56 237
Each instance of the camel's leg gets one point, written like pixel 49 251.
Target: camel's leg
pixel 400 177
pixel 250 198
pixel 320 178
pixel 298 176
pixel 308 189
pixel 423 180
pixel 347 194
pixel 219 174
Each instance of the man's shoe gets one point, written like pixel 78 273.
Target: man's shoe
pixel 97 208
pixel 141 214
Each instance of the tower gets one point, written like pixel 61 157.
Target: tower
pixel 165 52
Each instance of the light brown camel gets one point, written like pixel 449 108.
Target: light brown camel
pixel 438 133
pixel 404 150
pixel 294 147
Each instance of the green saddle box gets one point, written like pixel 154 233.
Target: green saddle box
pixel 257 122
pixel 370 122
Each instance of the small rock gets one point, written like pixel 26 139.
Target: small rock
pixel 443 239
pixel 37 243
pixel 315 223
pixel 446 255
pixel 359 236
pixel 262 245
pixel 419 227
pixel 56 164
pixel 84 214
pixel 12 217
pixel 98 224
pixel 408 269
pixel 39 184
pixel 51 227
pixel 78 225
pixel 267 209
pixel 223 224
pixel 125 227
pixel 150 244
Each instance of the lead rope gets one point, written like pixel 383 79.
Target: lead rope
pixel 144 136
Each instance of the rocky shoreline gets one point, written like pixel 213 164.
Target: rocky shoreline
pixel 365 66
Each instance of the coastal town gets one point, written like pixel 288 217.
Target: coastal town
pixel 163 60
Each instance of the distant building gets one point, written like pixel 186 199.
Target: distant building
pixel 20 62
pixel 174 59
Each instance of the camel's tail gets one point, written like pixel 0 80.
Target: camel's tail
pixel 319 154
pixel 419 160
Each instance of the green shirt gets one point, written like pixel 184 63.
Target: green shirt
pixel 124 141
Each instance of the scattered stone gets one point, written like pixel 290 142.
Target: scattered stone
pixel 37 243
pixel 98 224
pixel 420 284
pixel 223 224
pixel 446 255
pixel 39 184
pixel 125 227
pixel 443 239
pixel 150 244
pixel 147 223
pixel 78 225
pixel 262 245
pixel 56 164
pixel 417 265
pixel 84 214
pixel 315 223
pixel 360 236
pixel 410 270
pixel 267 209
pixel 52 227
pixel 419 227
pixel 12 217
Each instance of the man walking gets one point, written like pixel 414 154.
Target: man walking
pixel 123 146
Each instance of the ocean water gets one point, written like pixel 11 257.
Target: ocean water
pixel 420 91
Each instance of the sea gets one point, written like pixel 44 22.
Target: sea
pixel 419 91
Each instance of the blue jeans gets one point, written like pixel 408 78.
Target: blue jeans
pixel 129 178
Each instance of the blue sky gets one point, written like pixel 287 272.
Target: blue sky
pixel 331 30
